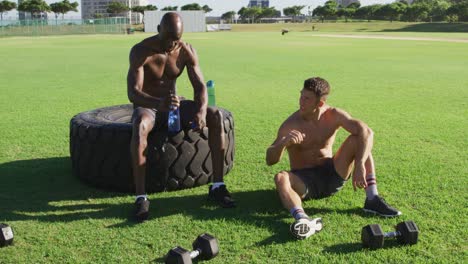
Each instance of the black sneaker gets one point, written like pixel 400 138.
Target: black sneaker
pixel 380 207
pixel 142 209
pixel 305 227
pixel 222 196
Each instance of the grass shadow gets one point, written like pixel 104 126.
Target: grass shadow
pixel 432 27
pixel 45 190
pixel 346 248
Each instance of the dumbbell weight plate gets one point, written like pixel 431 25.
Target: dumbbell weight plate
pixel 178 255
pixel 372 236
pixel 6 237
pixel 408 233
pixel 208 245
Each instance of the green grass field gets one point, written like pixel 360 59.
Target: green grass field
pixel 413 94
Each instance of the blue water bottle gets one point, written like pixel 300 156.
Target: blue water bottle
pixel 173 121
pixel 210 86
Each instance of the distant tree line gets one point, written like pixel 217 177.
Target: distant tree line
pixel 419 10
pixel 38 7
pixel 255 14
pixel 400 10
pixel 6 6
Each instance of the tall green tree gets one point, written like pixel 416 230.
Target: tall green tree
pixel 116 8
pixel 253 13
pixel 320 12
pixel 170 8
pixel 416 12
pixel 270 12
pixel 242 12
pixel 367 12
pixel 34 7
pixel 206 9
pixel 63 7
pixel 293 11
pixel 459 10
pixel 392 11
pixel 6 6
pixel 142 9
pixel 327 10
pixel 228 16
pixel 436 8
pixel 193 6
pixel 349 11
pixel 346 13
pixel 354 5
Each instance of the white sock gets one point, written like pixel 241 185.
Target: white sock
pixel 141 196
pixel 216 185
pixel 371 189
pixel 298 213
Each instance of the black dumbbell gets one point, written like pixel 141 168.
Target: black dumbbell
pixel 205 247
pixel 6 235
pixel 373 237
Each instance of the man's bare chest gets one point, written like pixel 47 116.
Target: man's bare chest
pixel 317 135
pixel 161 66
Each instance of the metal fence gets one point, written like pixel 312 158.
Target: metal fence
pixel 48 27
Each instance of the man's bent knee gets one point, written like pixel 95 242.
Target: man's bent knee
pixel 142 125
pixel 282 179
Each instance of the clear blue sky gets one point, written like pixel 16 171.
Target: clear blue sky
pixel 221 6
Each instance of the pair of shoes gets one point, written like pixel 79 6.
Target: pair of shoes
pixel 379 206
pixel 141 209
pixel 222 196
pixel 305 227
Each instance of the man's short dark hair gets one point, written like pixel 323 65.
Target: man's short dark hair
pixel 318 86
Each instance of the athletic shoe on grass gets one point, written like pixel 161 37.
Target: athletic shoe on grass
pixel 222 196
pixel 141 209
pixel 305 227
pixel 379 206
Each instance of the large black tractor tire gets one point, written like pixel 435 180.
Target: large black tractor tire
pixel 100 152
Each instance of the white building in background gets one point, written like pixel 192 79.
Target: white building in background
pixel 98 8
pixel 194 21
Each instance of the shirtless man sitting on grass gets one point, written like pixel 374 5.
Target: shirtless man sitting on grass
pixel 308 135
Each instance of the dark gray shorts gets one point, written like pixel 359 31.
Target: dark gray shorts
pixel 187 114
pixel 321 181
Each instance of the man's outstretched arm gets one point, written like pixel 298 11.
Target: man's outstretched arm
pixel 200 95
pixel 284 139
pixel 365 142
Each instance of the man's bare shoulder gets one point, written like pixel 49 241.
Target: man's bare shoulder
pixel 292 121
pixel 144 47
pixel 336 116
pixel 189 51
pixel 335 112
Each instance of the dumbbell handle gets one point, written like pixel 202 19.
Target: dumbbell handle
pixel 195 253
pixel 392 234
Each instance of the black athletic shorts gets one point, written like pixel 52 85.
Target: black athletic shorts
pixel 187 112
pixel 321 181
